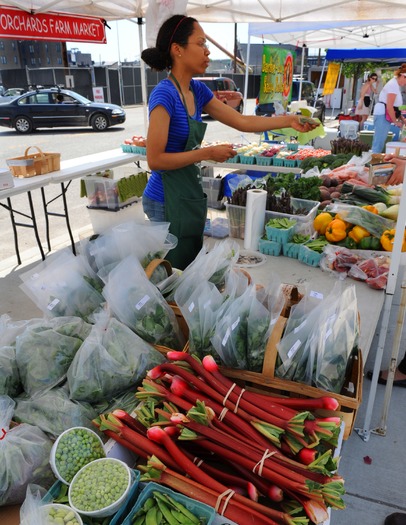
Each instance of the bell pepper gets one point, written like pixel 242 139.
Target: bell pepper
pixel 371 208
pixel 388 238
pixel 358 233
pixel 336 231
pixel 321 222
pixel 370 243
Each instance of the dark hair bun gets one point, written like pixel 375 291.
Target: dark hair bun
pixel 155 59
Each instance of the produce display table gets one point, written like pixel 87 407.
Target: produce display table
pixel 70 170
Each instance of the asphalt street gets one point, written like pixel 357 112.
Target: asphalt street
pixel 72 143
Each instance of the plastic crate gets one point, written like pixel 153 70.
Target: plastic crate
pixel 269 247
pixel 308 256
pixel 119 516
pixel 310 208
pixel 236 220
pixel 211 187
pixel 205 513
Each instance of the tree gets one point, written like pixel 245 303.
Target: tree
pixel 356 70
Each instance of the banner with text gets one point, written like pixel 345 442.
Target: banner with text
pixel 21 25
pixel 276 75
pixel 331 78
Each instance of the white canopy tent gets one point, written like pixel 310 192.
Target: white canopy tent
pixel 330 23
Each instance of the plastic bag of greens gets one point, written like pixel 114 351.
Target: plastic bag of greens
pixel 10 329
pixel 231 331
pixel 53 412
pixel 24 456
pixel 45 351
pixel 139 305
pixel 357 215
pixel 292 348
pixel 110 360
pixel 209 265
pixel 58 287
pixel 259 327
pixel 199 306
pixel 338 335
pixel 10 383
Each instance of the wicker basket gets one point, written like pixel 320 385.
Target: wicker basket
pixel 34 164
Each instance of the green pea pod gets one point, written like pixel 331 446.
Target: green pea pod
pixel 181 508
pixel 148 504
pixel 151 517
pixel 140 520
pixel 166 512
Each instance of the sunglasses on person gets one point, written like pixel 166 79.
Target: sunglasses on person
pixel 374 78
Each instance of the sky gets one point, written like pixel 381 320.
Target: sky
pixel 123 41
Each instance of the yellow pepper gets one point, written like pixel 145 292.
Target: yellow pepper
pixel 348 225
pixel 321 222
pixel 358 233
pixel 388 238
pixel 336 231
pixel 371 208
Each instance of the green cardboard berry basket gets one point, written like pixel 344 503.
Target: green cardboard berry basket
pixel 308 256
pixel 269 247
pixel 202 511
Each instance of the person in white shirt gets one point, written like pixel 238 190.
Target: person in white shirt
pixel 386 111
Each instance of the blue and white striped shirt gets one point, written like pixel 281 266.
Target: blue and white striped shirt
pixel 165 94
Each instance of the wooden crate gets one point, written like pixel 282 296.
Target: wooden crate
pixel 266 382
pixel 30 165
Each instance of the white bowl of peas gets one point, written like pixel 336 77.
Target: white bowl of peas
pixel 56 513
pixel 100 488
pixel 73 449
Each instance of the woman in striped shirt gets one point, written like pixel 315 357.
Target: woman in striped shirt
pixel 174 192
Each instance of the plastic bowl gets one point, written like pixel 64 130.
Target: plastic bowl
pixel 102 477
pixel 66 471
pixel 45 510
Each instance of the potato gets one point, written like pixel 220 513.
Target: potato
pixel 335 195
pixel 323 204
pixel 324 193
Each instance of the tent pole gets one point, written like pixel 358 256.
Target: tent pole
pixel 365 432
pixel 247 62
pixel 320 79
pixel 301 72
pixel 143 77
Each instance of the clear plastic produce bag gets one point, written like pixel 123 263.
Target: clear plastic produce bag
pixel 59 287
pixel 24 456
pixel 139 305
pixel 45 351
pixel 10 329
pixel 338 335
pixel 293 348
pixel 199 306
pixel 53 412
pixel 209 265
pixel 10 383
pixel 242 332
pixel 112 359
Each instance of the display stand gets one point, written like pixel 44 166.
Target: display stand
pixel 393 276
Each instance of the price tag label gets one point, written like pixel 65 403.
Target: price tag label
pixel 294 349
pixel 142 302
pixel 316 295
pixel 52 304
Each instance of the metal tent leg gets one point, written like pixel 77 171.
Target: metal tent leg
pixel 365 432
pixel 381 430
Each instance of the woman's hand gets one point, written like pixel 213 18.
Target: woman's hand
pixel 397 175
pixel 303 124
pixel 219 153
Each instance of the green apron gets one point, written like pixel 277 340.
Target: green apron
pixel 185 201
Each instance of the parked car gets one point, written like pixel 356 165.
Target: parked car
pixel 42 109
pixel 308 94
pixel 225 90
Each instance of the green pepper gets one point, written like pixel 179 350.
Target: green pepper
pixel 375 243
pixel 365 243
pixel 350 243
